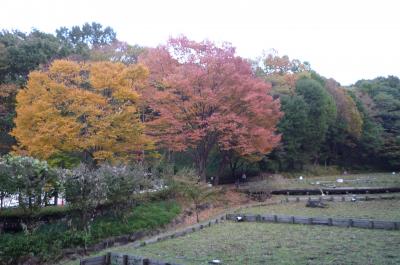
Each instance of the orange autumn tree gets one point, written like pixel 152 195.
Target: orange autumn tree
pixel 204 96
pixel 89 109
pixel 282 72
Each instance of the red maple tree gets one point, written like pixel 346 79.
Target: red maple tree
pixel 204 96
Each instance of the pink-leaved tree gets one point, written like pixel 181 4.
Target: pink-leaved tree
pixel 204 96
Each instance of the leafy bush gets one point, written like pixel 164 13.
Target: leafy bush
pixel 33 180
pixel 86 189
pixel 49 211
pixel 186 183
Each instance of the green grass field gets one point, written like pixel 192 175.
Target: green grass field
pixel 268 243
pixel 377 209
pixel 352 180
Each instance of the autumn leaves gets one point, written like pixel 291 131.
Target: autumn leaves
pixel 183 95
pixel 87 108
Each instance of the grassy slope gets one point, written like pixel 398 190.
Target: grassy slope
pixel 261 243
pixel 48 240
pixel 379 209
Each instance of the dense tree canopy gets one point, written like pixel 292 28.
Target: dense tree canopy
pixel 7 112
pixel 22 52
pixel 81 108
pixel 198 99
pixel 385 95
pixel 205 96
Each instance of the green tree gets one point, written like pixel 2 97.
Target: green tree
pixel 25 52
pixel 294 127
pixel 34 180
pixel 7 114
pixel 385 95
pixel 321 115
pixel 117 51
pixel 187 184
pixel 81 39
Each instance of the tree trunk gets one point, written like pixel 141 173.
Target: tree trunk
pixel 201 159
pixel 201 155
pixel 202 170
pixel 56 198
pixel 233 167
pixel 221 169
pixel 45 199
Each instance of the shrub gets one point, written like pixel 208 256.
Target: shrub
pixel 47 242
pixel 34 180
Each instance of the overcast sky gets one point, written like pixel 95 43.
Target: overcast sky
pixel 344 39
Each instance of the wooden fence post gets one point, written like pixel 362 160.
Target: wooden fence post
pixel 125 260
pixel 82 262
pixel 146 262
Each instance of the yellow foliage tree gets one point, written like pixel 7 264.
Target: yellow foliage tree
pixel 82 108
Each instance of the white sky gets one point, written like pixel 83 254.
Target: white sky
pixel 344 39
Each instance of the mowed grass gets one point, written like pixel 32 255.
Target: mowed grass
pixel 376 209
pixel 351 180
pixel 268 243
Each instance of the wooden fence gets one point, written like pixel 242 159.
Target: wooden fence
pixel 338 190
pixel 346 198
pixel 342 222
pixel 122 259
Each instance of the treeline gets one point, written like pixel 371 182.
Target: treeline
pixel 186 104
pixel 353 127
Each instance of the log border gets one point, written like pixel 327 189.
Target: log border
pixel 308 220
pixel 112 258
pixel 343 198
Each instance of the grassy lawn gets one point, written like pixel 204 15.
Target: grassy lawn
pixel 264 243
pixel 377 209
pixel 353 180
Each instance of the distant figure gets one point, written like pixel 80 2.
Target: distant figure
pixel 244 177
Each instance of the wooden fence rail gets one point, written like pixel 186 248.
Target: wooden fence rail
pixel 338 190
pixel 342 222
pixel 346 198
pixel 122 259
